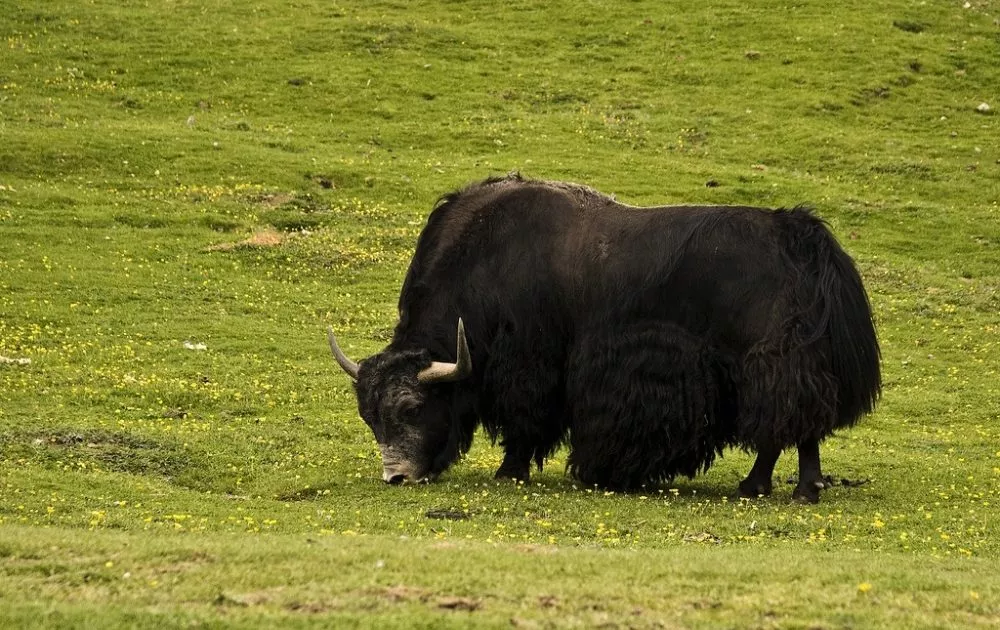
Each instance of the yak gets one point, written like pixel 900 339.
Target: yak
pixel 649 339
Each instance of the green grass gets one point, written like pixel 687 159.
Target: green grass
pixel 297 580
pixel 242 175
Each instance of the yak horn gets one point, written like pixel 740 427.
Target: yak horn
pixel 449 372
pixel 349 366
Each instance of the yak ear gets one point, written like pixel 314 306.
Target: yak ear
pixel 449 372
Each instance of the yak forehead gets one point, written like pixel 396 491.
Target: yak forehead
pixel 387 384
pixel 397 401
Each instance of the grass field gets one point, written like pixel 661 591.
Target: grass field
pixel 190 192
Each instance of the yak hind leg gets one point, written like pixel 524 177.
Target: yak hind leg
pixel 758 482
pixel 810 475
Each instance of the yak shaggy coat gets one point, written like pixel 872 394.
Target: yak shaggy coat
pixel 649 338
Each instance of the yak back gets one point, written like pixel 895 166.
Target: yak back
pixel 536 258
pixel 537 255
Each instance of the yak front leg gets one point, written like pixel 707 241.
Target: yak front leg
pixel 516 463
pixel 810 475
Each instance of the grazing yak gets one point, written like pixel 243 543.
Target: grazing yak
pixel 650 339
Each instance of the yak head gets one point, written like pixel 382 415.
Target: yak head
pixel 405 399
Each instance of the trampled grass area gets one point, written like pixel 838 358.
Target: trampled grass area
pixel 191 191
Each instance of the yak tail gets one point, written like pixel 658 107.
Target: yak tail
pixel 841 315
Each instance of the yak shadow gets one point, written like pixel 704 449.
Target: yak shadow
pixel 682 488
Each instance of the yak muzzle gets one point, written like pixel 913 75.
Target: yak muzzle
pixel 395 478
pixel 397 469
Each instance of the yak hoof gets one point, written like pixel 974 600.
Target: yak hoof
pixel 808 492
pixel 751 490
pixel 521 474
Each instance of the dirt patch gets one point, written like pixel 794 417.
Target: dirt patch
pixel 306 494
pixel 702 537
pixel 548 601
pixel 311 608
pixel 400 593
pixel 459 603
pixel 185 562
pixel 267 237
pixel 272 200
pixel 542 549
pixel 447 514
pixel 243 600
pixel 404 594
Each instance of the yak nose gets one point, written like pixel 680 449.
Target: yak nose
pixel 396 479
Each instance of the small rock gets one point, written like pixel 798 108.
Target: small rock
pixel 752 55
pixel 983 108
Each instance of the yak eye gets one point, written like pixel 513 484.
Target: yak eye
pixel 406 406
pixel 409 412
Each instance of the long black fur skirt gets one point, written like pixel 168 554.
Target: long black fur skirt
pixel 647 402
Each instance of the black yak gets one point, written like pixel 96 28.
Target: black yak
pixel 648 338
